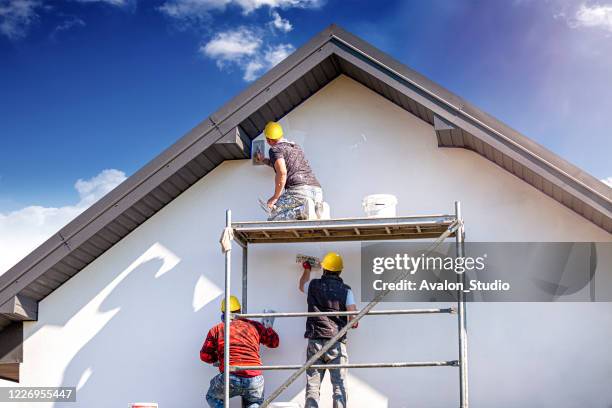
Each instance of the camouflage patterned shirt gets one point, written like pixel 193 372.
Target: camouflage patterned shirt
pixel 299 172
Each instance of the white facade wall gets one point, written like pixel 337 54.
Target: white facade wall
pixel 129 326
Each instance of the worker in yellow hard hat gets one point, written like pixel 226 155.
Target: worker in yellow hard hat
pixel 245 337
pixel 297 192
pixel 327 294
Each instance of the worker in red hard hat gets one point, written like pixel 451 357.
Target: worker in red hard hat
pixel 327 294
pixel 297 192
pixel 245 338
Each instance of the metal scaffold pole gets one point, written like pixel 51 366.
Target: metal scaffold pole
pixel 245 277
pixel 461 311
pixel 227 317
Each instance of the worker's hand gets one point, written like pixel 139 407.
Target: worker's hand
pixel 306 265
pixel 271 202
pixel 355 325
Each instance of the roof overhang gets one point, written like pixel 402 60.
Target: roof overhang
pixel 227 133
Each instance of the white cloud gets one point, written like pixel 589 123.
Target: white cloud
pixel 191 8
pixel 67 24
pixel 119 3
pixel 243 48
pixel 16 17
pixel 598 16
pixel 607 181
pixel 232 46
pixel 249 49
pixel 23 230
pixel 252 69
pixel 200 9
pixel 280 23
pixel 272 56
pixel 277 53
pixel 251 5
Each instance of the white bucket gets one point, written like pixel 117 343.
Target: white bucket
pixel 380 205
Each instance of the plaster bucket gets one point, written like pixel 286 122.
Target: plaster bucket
pixel 143 405
pixel 380 205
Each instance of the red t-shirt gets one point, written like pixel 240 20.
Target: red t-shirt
pixel 245 337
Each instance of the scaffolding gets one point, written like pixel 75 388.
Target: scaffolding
pixel 439 227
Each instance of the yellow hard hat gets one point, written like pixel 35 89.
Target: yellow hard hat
pixel 332 262
pixel 234 304
pixel 273 131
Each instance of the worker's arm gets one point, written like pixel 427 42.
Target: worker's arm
pixel 305 275
pixel 351 307
pixel 280 179
pixel 208 352
pixel 267 336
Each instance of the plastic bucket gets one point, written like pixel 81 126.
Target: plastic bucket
pixel 143 405
pixel 380 205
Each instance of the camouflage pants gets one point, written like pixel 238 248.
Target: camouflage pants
pixel 335 355
pixel 292 204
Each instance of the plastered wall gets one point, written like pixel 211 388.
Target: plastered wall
pixel 129 326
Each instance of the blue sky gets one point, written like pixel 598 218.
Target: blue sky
pixel 89 85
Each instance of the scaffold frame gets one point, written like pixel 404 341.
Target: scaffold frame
pixel 440 227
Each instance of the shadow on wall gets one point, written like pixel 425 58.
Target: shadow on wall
pixel 147 350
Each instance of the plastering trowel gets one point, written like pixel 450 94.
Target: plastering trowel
pixel 314 262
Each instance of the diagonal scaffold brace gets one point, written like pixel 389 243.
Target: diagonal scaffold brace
pixel 331 342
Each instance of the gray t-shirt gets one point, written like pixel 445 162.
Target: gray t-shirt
pixel 299 172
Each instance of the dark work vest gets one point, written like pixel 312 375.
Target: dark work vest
pixel 327 294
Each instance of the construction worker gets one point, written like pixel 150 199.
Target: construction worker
pixel 327 294
pixel 297 192
pixel 245 337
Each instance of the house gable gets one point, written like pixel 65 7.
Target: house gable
pixel 226 135
pixel 145 305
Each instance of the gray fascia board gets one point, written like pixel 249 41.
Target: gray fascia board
pixel 11 343
pixel 236 141
pixel 279 84
pixel 442 124
pixel 34 257
pixel 259 87
pixel 20 307
pixel 102 210
pixel 538 150
pixel 418 80
pixel 91 227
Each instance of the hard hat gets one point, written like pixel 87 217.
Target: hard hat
pixel 273 131
pixel 234 304
pixel 332 262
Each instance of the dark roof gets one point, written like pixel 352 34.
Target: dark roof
pixel 226 135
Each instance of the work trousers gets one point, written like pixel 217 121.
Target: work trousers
pixel 293 203
pixel 251 389
pixel 337 354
